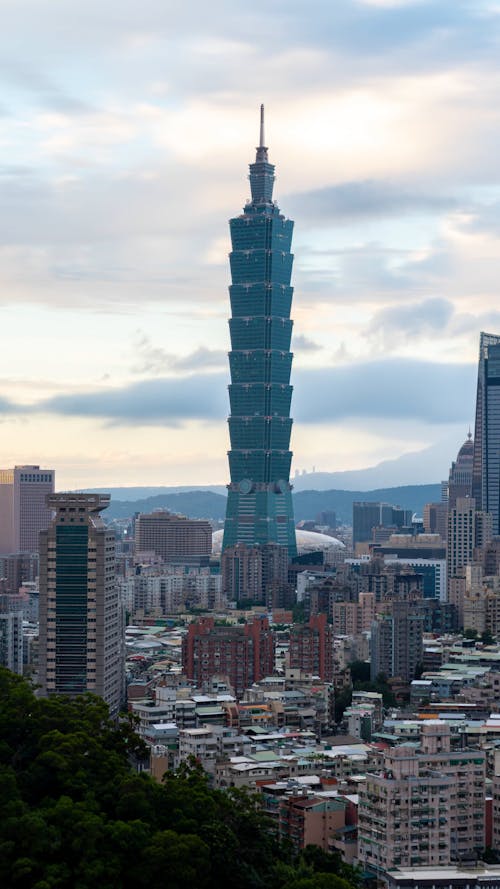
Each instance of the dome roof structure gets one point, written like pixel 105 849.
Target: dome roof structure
pixel 466 452
pixel 307 542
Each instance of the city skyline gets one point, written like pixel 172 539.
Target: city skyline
pixel 122 151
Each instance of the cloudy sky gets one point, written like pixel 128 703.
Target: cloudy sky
pixel 125 133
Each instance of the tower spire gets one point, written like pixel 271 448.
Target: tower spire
pixel 261 156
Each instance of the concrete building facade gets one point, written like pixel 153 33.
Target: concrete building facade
pixel 243 653
pixel 23 507
pixel 81 620
pixel 173 537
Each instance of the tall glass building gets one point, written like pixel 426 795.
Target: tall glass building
pixel 486 462
pixel 259 504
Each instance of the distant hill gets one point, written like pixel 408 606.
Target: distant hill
pixel 195 504
pixel 203 504
pixel 143 492
pixel 307 504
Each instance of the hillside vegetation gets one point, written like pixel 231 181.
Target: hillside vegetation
pixel 75 815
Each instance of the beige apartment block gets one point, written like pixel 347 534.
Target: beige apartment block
pixel 425 807
pixel 172 537
pixel 404 814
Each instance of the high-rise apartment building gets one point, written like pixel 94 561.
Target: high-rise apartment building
pixel 81 621
pixel 425 807
pixel 18 568
pixel 173 538
pixel 468 529
pixel 241 570
pixel 486 461
pixel 11 633
pixel 396 640
pixel 435 516
pixel 254 572
pixel 311 647
pixel 23 507
pixel 259 505
pixel 244 654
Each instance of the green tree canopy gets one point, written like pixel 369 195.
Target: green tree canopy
pixel 76 814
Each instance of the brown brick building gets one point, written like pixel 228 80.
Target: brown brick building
pixel 243 653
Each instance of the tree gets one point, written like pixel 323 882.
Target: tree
pixel 360 671
pixel 73 812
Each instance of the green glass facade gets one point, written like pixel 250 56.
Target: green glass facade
pixel 71 608
pixel 259 506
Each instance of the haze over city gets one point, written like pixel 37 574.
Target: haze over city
pixel 126 131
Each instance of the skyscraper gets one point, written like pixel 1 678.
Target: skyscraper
pixel 460 478
pixel 259 504
pixel 486 465
pixel 23 507
pixel 81 626
pixel 367 515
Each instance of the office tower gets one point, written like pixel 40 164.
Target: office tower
pixel 243 653
pixel 367 515
pixel 173 538
pixel 259 505
pixel 23 508
pixel 311 647
pixel 81 622
pixel 486 461
pixel 460 478
pixel 328 518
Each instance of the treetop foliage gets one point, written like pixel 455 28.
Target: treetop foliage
pixel 74 814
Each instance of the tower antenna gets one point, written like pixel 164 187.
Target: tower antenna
pixel 261 148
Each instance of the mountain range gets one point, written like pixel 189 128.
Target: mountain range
pixel 210 504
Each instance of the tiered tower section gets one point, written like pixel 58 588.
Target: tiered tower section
pixel 259 506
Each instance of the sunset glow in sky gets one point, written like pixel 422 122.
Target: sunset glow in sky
pixel 125 134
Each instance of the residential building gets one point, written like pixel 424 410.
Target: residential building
pixel 18 568
pixel 404 814
pixel 396 640
pixel 311 647
pixel 243 653
pixel 81 620
pixel 241 571
pixel 11 633
pixel 435 516
pixel 425 807
pixel 23 507
pixel 468 529
pixel 259 504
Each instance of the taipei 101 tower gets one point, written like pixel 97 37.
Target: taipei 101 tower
pixel 259 504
